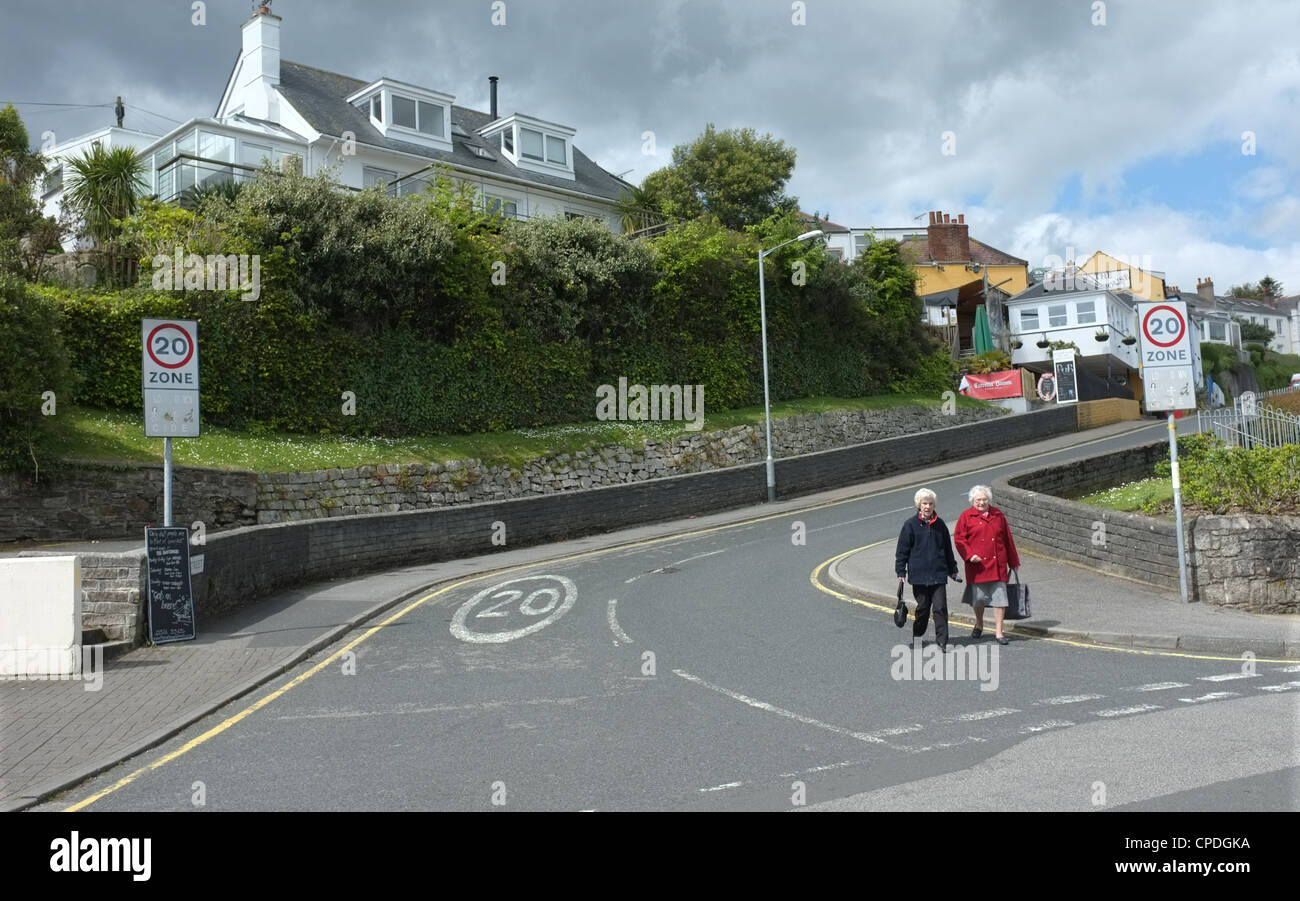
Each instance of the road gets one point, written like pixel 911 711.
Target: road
pixel 707 671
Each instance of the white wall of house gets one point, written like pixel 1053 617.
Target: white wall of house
pixel 1076 318
pixel 50 192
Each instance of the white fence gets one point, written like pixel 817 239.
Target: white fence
pixel 1250 424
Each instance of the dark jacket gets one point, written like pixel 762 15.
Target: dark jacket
pixel 924 552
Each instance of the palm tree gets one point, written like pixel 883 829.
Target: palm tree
pixel 192 197
pixel 638 208
pixel 105 185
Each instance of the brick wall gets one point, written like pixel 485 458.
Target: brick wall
pixel 1096 413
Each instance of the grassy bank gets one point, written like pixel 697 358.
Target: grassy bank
pixel 86 434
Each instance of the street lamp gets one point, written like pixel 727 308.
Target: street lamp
pixel 762 314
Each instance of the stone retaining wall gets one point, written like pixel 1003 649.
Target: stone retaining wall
pixel 1250 563
pixel 90 500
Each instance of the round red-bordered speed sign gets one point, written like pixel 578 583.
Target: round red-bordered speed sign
pixel 189 342
pixel 1146 320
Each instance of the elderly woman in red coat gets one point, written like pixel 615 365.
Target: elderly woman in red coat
pixel 983 540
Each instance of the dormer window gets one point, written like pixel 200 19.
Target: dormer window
pixel 533 144
pixel 377 107
pixel 413 114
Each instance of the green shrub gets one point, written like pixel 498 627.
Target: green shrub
pixel 33 361
pixel 1219 478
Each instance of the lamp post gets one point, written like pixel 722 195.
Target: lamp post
pixel 762 314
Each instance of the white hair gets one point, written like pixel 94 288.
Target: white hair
pixel 980 489
pixel 923 494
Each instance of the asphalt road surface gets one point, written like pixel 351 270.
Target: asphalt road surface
pixel 708 671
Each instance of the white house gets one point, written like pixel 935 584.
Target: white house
pixel 367 132
pixel 1078 310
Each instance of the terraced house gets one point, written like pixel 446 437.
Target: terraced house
pixel 381 131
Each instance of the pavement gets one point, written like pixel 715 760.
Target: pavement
pixel 1074 603
pixel 56 734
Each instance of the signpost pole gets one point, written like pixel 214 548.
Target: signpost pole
pixel 167 481
pixel 1178 506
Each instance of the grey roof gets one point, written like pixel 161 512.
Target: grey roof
pixel 321 98
pixel 1039 289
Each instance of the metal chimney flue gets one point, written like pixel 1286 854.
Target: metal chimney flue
pixel 492 80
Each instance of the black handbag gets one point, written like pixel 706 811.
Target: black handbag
pixel 900 612
pixel 1017 600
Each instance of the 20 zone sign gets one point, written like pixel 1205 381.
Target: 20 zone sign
pixel 1165 339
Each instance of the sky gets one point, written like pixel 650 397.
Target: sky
pixel 1165 131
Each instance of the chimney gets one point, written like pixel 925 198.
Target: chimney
pixel 492 80
pixel 259 65
pixel 120 111
pixel 1205 289
pixel 948 239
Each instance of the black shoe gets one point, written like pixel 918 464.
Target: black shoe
pixel 943 648
pixel 1004 640
pixel 976 633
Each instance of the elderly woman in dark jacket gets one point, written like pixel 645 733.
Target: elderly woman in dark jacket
pixel 924 557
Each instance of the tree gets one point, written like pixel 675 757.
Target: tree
pixel 734 175
pixel 25 234
pixel 105 186
pixel 638 209
pixel 1270 289
pixel 1251 331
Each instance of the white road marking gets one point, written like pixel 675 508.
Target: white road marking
pixel 983 715
pixel 1158 686
pixel 1043 727
pixel 505 597
pixel 1285 686
pixel 1294 668
pixel 1070 699
pixel 1125 711
pixel 723 787
pixel 613 623
pixel 1212 696
pixel 1228 677
pixel 863 519
pixel 897 730
pixel 771 708
pixel 699 556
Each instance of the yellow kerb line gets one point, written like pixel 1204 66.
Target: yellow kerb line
pixel 1087 645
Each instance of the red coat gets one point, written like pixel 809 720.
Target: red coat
pixel 989 538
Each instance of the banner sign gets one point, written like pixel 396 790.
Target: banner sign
pixel 991 385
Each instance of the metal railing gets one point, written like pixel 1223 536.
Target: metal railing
pixel 1252 424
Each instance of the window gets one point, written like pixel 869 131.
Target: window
pixel 569 215
pixel 530 143
pixel 555 150
pixel 1056 315
pixel 372 176
pixel 377 107
pixel 53 181
pixel 499 206
pixel 508 140
pixel 251 154
pixel 1217 332
pixel 430 119
pixel 288 162
pixel 404 112
pixel 1029 320
pixel 1087 311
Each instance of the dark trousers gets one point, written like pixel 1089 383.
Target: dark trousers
pixel 931 597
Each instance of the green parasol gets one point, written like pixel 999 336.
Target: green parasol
pixel 983 338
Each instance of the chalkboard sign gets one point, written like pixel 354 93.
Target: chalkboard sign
pixel 171 596
pixel 1067 380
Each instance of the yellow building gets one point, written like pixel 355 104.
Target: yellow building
pixel 956 274
pixel 1121 275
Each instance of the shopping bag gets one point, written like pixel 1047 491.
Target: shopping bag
pixel 1017 600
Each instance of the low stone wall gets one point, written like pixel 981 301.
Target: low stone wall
pixel 91 500
pixel 289 497
pixel 1096 413
pixel 1250 563
pixel 117 500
